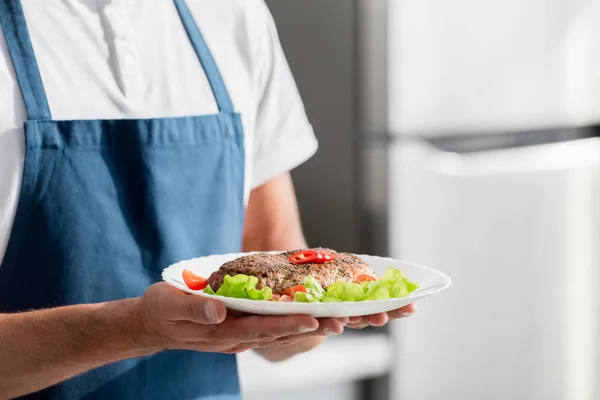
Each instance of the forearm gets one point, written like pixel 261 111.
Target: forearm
pixel 41 348
pixel 282 238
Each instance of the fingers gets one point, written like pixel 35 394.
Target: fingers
pixel 243 331
pixel 376 319
pixel 403 312
pixel 382 318
pixel 238 334
pixel 331 326
pixel 327 327
pixel 266 328
pixel 369 320
pixel 323 327
pixel 303 342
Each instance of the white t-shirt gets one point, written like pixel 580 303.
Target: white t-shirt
pixel 112 59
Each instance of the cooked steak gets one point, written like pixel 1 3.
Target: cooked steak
pixel 277 272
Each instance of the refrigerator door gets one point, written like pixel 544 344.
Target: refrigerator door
pixel 518 230
pixel 466 66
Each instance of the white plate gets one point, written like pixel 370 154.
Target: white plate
pixel 429 280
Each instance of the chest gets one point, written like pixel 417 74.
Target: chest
pixel 126 59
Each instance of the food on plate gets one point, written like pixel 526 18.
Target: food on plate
pixel 193 281
pixel 308 275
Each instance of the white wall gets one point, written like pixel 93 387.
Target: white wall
pixel 473 65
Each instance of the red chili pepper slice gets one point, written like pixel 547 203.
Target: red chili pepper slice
pixel 328 256
pixel 305 257
pixel 193 281
pixel 312 256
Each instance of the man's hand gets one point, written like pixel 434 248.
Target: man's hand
pixel 41 348
pixel 283 352
pixel 176 320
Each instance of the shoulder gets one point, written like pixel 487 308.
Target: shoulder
pixel 239 32
pixel 243 18
pixel 248 23
pixel 233 8
pixel 242 37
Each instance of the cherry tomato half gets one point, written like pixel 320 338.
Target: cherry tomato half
pixel 292 291
pixel 193 281
pixel 364 278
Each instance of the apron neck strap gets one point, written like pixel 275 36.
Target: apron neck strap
pixel 206 59
pixel 12 22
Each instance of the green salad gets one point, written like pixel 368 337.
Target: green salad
pixel 393 284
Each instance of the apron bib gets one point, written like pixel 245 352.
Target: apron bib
pixel 105 205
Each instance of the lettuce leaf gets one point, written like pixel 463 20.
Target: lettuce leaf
pixel 398 284
pixel 242 287
pixel 345 291
pixel 209 290
pixel 314 291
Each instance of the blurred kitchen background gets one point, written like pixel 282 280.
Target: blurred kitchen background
pixel 462 135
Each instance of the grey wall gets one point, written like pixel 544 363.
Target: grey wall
pixel 318 39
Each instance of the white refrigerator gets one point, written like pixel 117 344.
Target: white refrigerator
pixel 492 175
pixel 518 231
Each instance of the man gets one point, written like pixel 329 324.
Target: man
pixel 134 134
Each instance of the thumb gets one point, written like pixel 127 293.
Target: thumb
pixel 199 309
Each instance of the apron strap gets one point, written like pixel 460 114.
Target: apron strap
pixel 12 22
pixel 206 59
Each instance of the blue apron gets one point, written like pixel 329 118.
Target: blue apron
pixel 105 205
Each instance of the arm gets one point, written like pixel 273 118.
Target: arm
pixel 41 348
pixel 273 223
